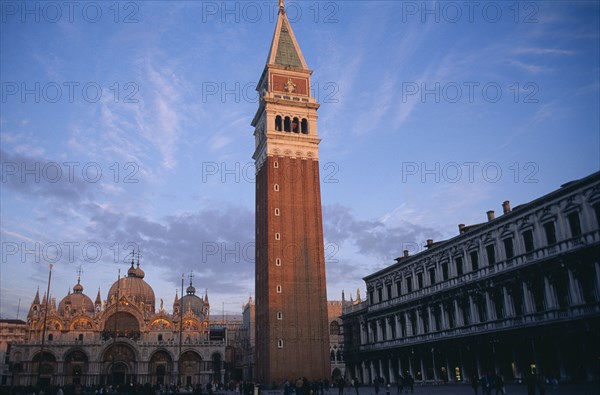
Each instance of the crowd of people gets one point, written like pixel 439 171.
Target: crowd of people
pixel 490 383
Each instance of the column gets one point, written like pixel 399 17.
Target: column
pixel 381 370
pixel 508 307
pixel 400 370
pixel 526 298
pixel 549 294
pixel 408 324
pixel 365 373
pixel 443 316
pixel 491 312
pixel 363 334
pixel 372 370
pixel 422 365
pixel 459 317
pixel 597 271
pixel 397 324
pixel 474 315
pixel 435 372
pixel 419 322
pixel 388 327
pixel 378 329
pixel 573 289
pixel 431 320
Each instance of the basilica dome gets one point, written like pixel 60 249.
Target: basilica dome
pixel 76 302
pixel 192 302
pixel 133 287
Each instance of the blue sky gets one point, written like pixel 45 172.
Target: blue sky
pixel 128 123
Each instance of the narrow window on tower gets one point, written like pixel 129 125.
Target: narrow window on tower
pixel 528 240
pixel 420 280
pixel 508 248
pixel 432 276
pixel 459 266
pixel 287 124
pixel 276 165
pixel 279 289
pixel 296 125
pixel 276 187
pixel 597 212
pixel 491 254
pixel 277 212
pixel 278 123
pixel 474 260
pixel 278 262
pixel 550 233
pixel 279 343
pixel 445 271
pixel 304 126
pixel 277 236
pixel 574 224
pixel 279 315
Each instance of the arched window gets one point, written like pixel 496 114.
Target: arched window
pixel 304 126
pixel 278 123
pixel 332 356
pixel 287 125
pixel 339 355
pixel 295 125
pixel 50 337
pixel 334 328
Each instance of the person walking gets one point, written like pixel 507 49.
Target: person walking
pixel 474 383
pixel 356 385
pixel 400 384
pixel 498 384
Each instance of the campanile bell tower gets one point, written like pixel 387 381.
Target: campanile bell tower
pixel 292 337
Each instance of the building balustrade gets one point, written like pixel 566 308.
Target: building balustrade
pixel 490 326
pixel 514 263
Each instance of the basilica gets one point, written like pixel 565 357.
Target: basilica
pixel 123 339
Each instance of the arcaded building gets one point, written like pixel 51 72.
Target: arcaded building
pixel 516 294
pixel 121 339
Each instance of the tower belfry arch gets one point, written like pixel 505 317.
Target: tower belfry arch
pixel 292 337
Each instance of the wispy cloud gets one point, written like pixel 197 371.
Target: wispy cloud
pixel 543 51
pixel 529 67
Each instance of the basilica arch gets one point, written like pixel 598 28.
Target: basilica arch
pixel 190 365
pixel 76 367
pixel 161 367
pixel 44 364
pixel 122 324
pixel 119 364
